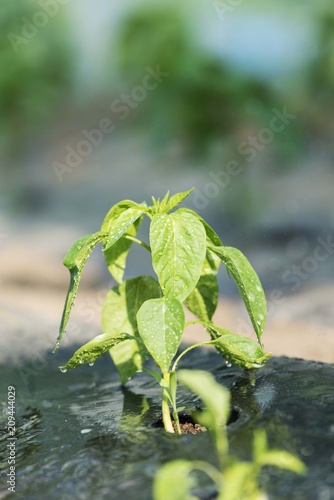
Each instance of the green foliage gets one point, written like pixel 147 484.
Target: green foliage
pixel 178 252
pixel 119 314
pixel 117 254
pixel 161 324
pixel 237 349
pixel 248 284
pixel 186 256
pixel 75 261
pixel 203 98
pixel 173 481
pixel 94 349
pixel 234 480
pixel 35 71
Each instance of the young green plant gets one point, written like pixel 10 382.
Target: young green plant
pixel 143 316
pixel 234 479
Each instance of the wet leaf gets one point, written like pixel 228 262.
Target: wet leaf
pixel 248 284
pixel 94 349
pixel 237 349
pixel 173 481
pixel 119 218
pixel 119 312
pixel 161 325
pixel 75 261
pixel 117 254
pixel 211 234
pixel 178 252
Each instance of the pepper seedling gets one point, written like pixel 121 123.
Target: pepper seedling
pixel 144 316
pixel 233 479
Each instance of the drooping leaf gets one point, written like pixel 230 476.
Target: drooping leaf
pixel 94 349
pixel 215 397
pixel 237 349
pixel 178 252
pixel 176 199
pixel 248 284
pixel 119 218
pixel 119 312
pixel 173 481
pixel 117 254
pixel 75 261
pixel 161 325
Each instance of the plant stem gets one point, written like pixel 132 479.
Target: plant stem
pixel 141 243
pixel 166 418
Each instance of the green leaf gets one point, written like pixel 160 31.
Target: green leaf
pixel 237 349
pixel 176 199
pixel 119 312
pixel 279 458
pixel 75 261
pixel 119 218
pixel 203 299
pixel 173 481
pixel 248 284
pixel 211 263
pixel 215 397
pixel 117 254
pixel 240 483
pixel 94 349
pixel 178 252
pixel 282 459
pixel 163 203
pixel 161 325
pixel 211 234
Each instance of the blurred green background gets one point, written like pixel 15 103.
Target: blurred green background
pixel 109 100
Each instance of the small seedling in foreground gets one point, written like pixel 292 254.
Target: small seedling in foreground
pixel 234 480
pixel 142 316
